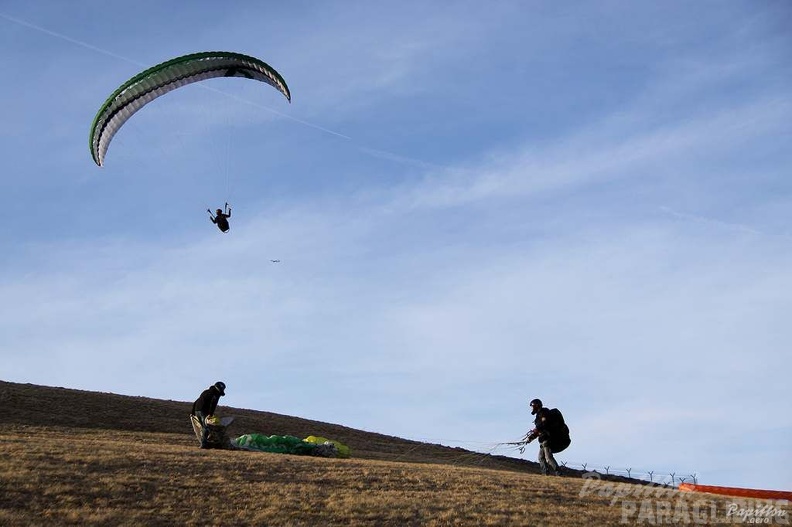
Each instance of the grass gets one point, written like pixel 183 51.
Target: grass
pixel 101 471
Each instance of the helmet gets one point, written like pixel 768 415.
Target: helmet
pixel 536 404
pixel 219 211
pixel 220 385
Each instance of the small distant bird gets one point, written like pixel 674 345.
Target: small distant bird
pixel 275 261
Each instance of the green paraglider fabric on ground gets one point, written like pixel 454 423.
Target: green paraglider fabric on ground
pixel 275 444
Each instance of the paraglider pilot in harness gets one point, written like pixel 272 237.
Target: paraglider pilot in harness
pixel 205 406
pixel 220 218
pixel 553 435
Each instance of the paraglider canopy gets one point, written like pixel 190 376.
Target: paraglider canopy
pixel 162 78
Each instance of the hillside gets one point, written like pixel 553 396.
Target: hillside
pixel 70 457
pixel 41 406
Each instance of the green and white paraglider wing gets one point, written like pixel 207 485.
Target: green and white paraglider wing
pixel 159 80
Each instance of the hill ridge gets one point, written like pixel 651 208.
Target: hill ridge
pixel 32 405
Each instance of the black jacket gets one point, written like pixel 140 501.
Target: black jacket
pixel 542 424
pixel 221 220
pixel 206 402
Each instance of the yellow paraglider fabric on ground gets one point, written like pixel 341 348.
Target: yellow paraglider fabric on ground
pixel 343 450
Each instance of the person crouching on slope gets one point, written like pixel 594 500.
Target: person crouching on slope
pixel 205 406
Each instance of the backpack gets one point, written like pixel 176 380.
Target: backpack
pixel 559 431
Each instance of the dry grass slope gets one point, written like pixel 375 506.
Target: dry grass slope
pixel 69 457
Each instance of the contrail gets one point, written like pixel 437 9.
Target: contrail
pixel 720 223
pixel 72 40
pixel 372 152
pixel 143 65
pixel 276 112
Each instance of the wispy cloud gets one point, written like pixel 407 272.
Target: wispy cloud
pixel 602 154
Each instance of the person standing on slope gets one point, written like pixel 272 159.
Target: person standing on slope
pixel 552 433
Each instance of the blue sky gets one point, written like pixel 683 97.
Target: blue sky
pixel 473 204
